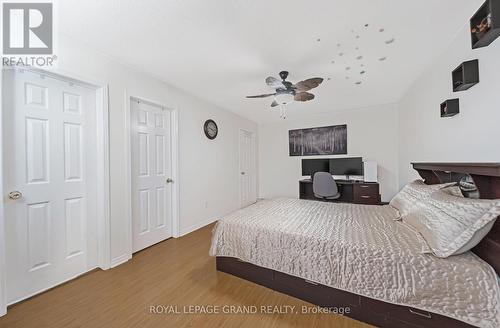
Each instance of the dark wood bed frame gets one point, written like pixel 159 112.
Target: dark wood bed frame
pixel 486 177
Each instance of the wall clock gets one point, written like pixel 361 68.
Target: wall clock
pixel 211 129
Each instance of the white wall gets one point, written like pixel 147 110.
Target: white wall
pixel 372 133
pixel 471 136
pixel 208 169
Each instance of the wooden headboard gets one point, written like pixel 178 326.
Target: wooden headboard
pixel 486 177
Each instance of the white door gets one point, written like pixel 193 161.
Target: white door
pixel 248 192
pixel 49 173
pixel 151 174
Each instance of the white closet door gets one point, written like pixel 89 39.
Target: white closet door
pixel 50 219
pixel 248 193
pixel 151 172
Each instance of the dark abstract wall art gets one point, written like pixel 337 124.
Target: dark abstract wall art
pixel 327 140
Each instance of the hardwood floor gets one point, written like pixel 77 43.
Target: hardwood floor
pixel 176 273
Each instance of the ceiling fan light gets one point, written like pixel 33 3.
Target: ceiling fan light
pixel 283 98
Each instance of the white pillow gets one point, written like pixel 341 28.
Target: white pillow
pixel 414 193
pixel 452 225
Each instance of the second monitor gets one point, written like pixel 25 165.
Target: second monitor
pixel 346 166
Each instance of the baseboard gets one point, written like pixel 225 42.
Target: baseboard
pixel 3 300
pixel 125 257
pixel 120 260
pixel 194 227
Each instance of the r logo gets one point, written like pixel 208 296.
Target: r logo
pixel 27 29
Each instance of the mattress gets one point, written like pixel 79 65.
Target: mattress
pixel 361 249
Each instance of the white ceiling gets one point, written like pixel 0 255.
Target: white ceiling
pixel 222 50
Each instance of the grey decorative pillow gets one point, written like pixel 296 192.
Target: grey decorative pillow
pixel 452 225
pixel 414 193
pixel 454 191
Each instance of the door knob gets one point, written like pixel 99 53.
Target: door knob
pixel 15 194
pixel 169 180
pixel 242 173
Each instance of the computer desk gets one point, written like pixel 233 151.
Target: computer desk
pixel 351 191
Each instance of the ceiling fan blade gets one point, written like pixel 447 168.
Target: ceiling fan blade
pixel 308 84
pixel 275 83
pixel 303 96
pixel 262 96
pixel 274 104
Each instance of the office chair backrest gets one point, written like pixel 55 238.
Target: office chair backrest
pixel 324 185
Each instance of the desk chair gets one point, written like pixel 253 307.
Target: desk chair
pixel 324 186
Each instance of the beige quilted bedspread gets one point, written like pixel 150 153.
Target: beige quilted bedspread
pixel 360 249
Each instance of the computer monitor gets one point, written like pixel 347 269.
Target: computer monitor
pixel 346 166
pixel 311 166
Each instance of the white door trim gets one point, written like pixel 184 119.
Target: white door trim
pixel 174 121
pixel 3 271
pixel 102 137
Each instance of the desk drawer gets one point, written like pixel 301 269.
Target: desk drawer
pixel 366 194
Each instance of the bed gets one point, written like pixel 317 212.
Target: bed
pixel 360 257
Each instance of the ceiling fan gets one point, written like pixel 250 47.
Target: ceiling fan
pixel 287 92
